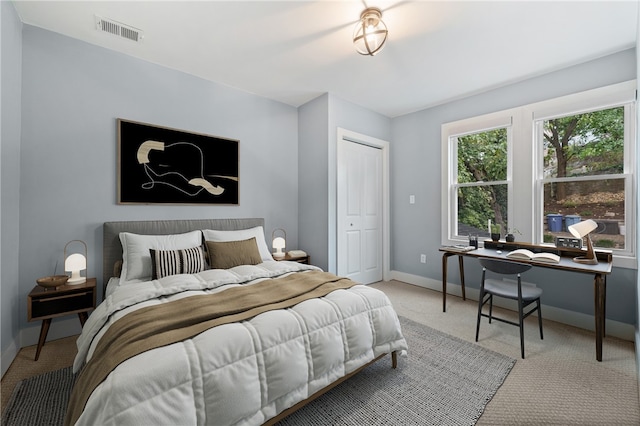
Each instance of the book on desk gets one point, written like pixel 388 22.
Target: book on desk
pixel 601 255
pixel 459 247
pixel 525 254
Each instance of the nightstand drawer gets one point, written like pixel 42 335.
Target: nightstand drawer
pixel 61 305
pixel 67 299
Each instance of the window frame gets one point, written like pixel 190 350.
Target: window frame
pixel 525 178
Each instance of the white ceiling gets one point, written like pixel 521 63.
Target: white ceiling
pixel 293 51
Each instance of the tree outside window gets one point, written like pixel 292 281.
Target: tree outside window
pixel 583 169
pixel 482 191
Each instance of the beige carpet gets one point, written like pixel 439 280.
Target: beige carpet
pixel 559 383
pixel 55 354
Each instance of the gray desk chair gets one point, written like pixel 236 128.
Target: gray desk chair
pixel 525 294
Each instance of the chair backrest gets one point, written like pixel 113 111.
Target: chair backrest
pixel 504 267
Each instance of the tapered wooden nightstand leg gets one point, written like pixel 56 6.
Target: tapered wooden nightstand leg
pixel 44 329
pixel 83 317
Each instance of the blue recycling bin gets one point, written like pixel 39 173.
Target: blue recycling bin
pixel 554 222
pixel 571 219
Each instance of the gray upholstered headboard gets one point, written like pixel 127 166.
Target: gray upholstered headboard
pixel 112 248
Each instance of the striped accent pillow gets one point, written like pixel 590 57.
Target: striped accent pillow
pixel 173 262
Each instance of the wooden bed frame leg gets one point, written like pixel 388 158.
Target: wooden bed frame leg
pixel 394 359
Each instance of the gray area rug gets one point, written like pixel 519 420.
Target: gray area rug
pixel 40 400
pixel 443 381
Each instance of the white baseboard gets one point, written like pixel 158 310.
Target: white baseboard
pixel 638 359
pixel 60 327
pixel 576 319
pixel 8 356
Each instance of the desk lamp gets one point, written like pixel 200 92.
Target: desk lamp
pixel 580 230
pixel 279 243
pixel 75 263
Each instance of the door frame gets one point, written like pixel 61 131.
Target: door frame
pixel 354 137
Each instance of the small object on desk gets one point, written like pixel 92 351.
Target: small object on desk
pixel 536 257
pixel 582 230
pixel 499 251
pixel 473 241
pixel 460 247
pixel 566 242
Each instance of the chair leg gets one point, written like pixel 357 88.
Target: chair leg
pixel 521 322
pixel 540 320
pixel 479 312
pixel 490 307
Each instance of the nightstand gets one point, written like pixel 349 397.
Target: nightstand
pixel 300 259
pixel 44 304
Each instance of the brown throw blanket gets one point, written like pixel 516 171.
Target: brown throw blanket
pixel 168 323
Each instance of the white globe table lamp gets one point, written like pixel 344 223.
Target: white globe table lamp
pixel 75 263
pixel 279 243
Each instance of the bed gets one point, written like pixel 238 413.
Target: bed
pixel 199 325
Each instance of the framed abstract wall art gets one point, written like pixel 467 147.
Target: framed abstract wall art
pixel 160 165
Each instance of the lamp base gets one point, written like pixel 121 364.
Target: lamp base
pixel 73 281
pixel 585 260
pixel 278 255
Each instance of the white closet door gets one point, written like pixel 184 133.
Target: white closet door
pixel 360 212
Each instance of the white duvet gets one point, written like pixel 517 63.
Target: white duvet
pixel 241 373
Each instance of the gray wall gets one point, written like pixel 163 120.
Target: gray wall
pixel 10 83
pixel 73 92
pixel 313 174
pixel 319 121
pixel 415 165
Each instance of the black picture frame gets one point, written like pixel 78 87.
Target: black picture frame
pixel 161 165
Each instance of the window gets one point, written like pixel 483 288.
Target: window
pixel 539 168
pixel 584 175
pixel 478 170
pixel 482 186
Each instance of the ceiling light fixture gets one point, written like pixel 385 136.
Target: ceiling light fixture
pixel 370 32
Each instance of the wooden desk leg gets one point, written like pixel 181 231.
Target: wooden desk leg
pixel 461 265
pixel 604 309
pixel 44 329
pixel 445 256
pixel 600 296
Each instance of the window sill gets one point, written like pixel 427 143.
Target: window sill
pixel 626 262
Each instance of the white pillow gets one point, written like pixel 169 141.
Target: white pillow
pixel 239 235
pixel 136 259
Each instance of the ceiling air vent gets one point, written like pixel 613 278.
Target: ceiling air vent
pixel 119 29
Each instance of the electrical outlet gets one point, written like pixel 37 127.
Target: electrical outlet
pixel 423 258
